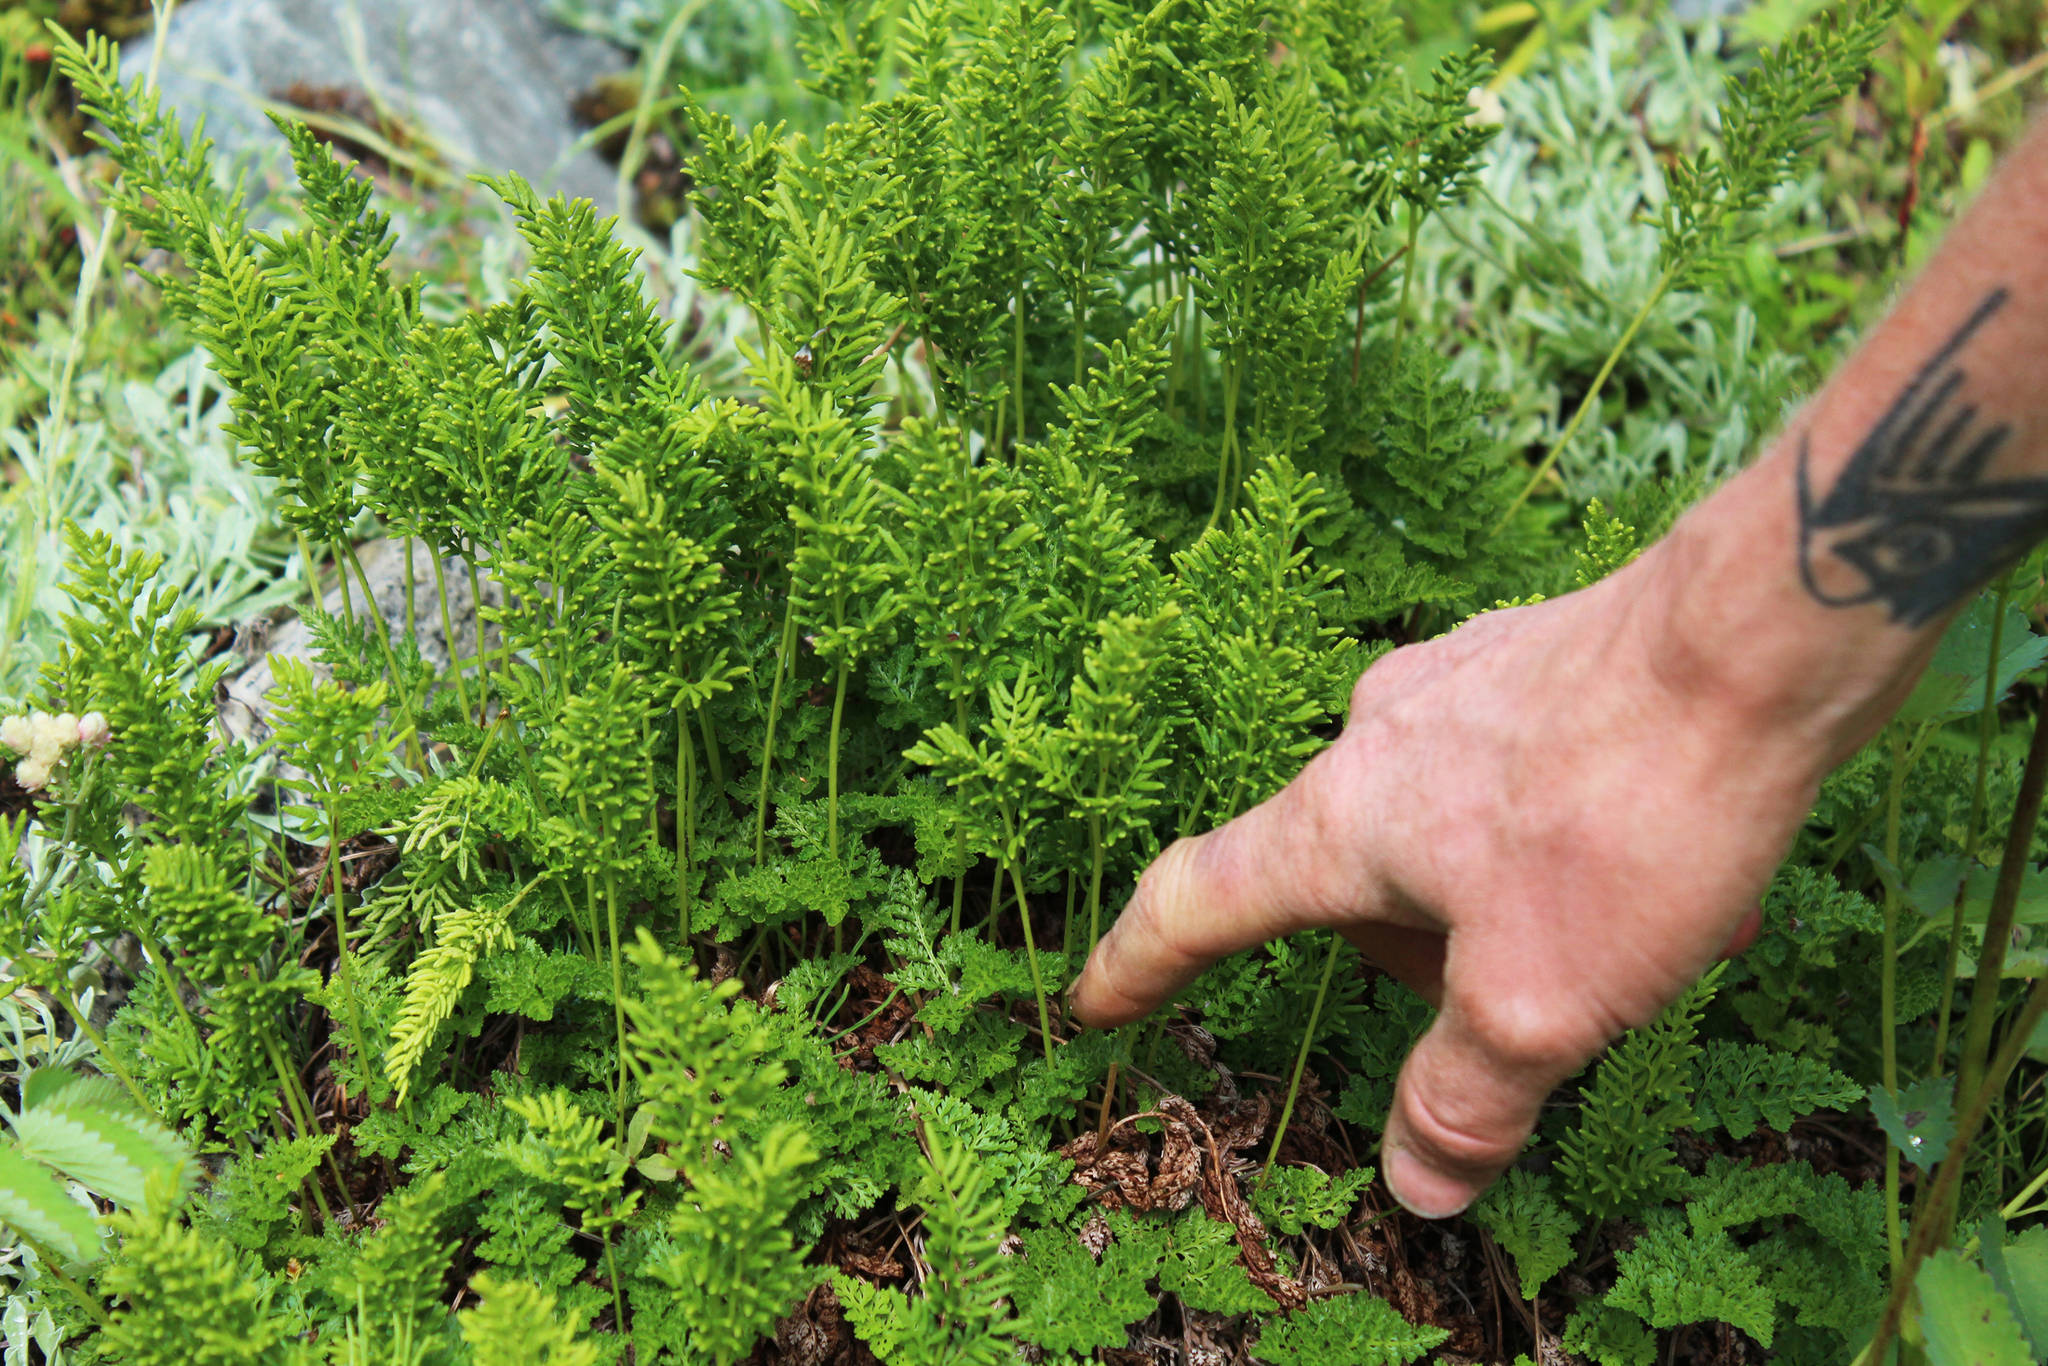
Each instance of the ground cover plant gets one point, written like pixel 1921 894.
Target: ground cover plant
pixel 676 975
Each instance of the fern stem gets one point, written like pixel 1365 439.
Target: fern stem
pixel 782 654
pixel 1031 957
pixel 310 570
pixel 1998 923
pixel 301 1107
pixel 832 760
pixel 686 820
pixel 611 1271
pixel 712 758
pixel 611 909
pixel 1017 334
pixel 348 604
pixel 399 691
pixel 1888 994
pixel 345 967
pixel 1409 253
pixel 1592 397
pixel 483 657
pixel 959 828
pixel 1937 1209
pixel 448 634
pixel 99 1043
pixel 1308 1038
pixel 1095 879
pixel 53 1266
pixel 412 625
pixel 1987 725
pixel 1228 462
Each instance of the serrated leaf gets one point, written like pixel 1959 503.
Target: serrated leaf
pixel 1358 1329
pixel 33 1203
pixel 1203 1271
pixel 1964 1320
pixel 43 1083
pixel 2021 1268
pixel 1920 1120
pixel 1953 685
pixel 1530 1224
pixel 104 1144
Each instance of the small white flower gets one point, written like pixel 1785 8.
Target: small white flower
pixel 32 774
pixel 1486 107
pixel 50 736
pixel 93 730
pixel 17 734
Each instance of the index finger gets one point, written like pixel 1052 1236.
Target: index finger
pixel 1290 863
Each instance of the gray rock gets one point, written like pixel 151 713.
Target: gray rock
pixel 244 702
pixel 488 82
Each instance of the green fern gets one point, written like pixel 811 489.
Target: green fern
pixel 1356 1328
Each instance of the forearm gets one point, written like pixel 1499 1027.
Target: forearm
pixel 1813 587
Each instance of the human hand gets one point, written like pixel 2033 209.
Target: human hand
pixel 1533 821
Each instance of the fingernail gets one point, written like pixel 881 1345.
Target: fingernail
pixel 1424 1193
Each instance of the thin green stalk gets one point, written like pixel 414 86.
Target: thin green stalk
pixel 1931 1228
pixel 1987 725
pixel 1998 923
pixel 483 657
pixel 611 908
pixel 1095 859
pixel 686 819
pixel 53 1266
pixel 99 1043
pixel 412 625
pixel 2016 1206
pixel 712 758
pixel 1081 342
pixel 346 966
pixel 959 830
pixel 1229 459
pixel 1031 956
pixel 782 654
pixel 832 760
pixel 311 570
pixel 448 634
pixel 1888 994
pixel 1409 254
pixel 399 692
pixel 1592 398
pixel 1017 334
pixel 611 905
pixel 611 1270
pixel 301 1108
pixel 348 604
pixel 1308 1037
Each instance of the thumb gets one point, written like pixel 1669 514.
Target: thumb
pixel 1470 1094
pixel 1283 866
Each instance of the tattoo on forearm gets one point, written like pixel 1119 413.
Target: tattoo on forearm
pixel 1915 520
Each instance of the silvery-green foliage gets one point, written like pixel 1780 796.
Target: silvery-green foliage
pixel 1542 268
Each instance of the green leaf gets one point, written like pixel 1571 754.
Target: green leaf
pixel 35 1205
pixel 93 1135
pixel 1964 1321
pixel 1953 685
pixel 1357 1330
pixel 1920 1121
pixel 2021 1269
pixel 1677 1275
pixel 1531 1224
pixel 1202 1268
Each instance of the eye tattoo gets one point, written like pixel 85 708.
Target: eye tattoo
pixel 1913 521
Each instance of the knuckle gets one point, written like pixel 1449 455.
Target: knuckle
pixel 1536 1036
